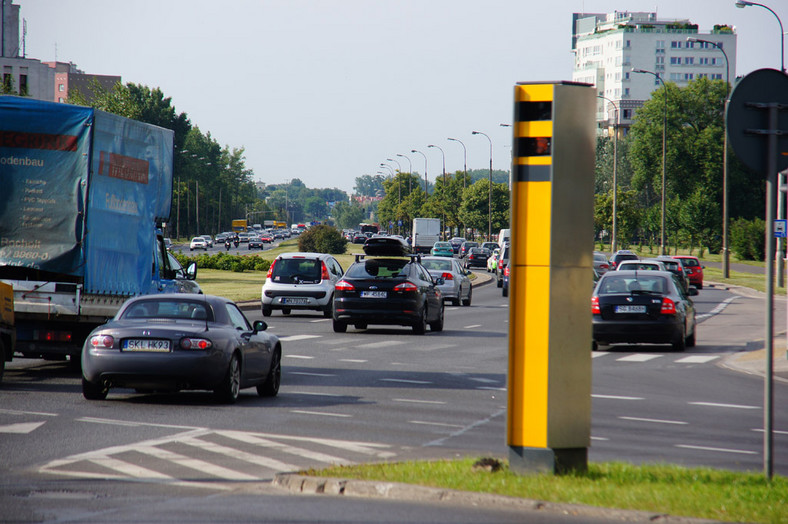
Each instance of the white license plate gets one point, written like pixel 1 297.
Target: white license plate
pixel 162 346
pixel 374 294
pixel 295 301
pixel 630 309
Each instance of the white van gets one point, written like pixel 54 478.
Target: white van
pixel 503 236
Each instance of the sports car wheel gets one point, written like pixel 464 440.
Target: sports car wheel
pixel 228 390
pixel 93 391
pixel 270 388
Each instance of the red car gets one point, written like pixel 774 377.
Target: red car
pixel 694 270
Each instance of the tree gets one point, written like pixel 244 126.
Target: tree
pixel 348 216
pixel 474 209
pixel 322 239
pixel 369 185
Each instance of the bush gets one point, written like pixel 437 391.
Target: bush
pixel 322 239
pixel 226 262
pixel 747 238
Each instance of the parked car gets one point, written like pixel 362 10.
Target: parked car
pixel 492 261
pixel 465 247
pixel 640 265
pixel 171 342
pixel 389 291
pixel 301 281
pixel 622 254
pixel 456 242
pixel 643 307
pixel 198 243
pixel 601 263
pixel 693 268
pixel 503 261
pixel 456 286
pixel 477 257
pixel 442 249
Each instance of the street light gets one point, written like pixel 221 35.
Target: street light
pixel 399 190
pixel 464 161
pixel 410 170
pixel 614 243
pixel 425 168
pixel 725 250
pixel 443 190
pixel 489 187
pixel 741 4
pixel 664 139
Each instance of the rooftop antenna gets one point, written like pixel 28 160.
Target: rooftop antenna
pixel 24 37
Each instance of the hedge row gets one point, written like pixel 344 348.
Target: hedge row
pixel 226 262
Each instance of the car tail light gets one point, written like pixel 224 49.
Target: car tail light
pixel 324 272
pixel 195 343
pixel 447 276
pixel 102 341
pixel 271 270
pixel 595 310
pixel 406 287
pixel 344 285
pixel 604 266
pixel 506 271
pixel 668 307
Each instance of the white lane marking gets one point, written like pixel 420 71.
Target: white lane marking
pixel 16 412
pixel 761 430
pixel 239 455
pixel 425 423
pixel 311 374
pixel 638 357
pixel 320 320
pixel 485 380
pixel 697 359
pixel 292 450
pixel 616 397
pixel 314 394
pixel 113 422
pixel 354 360
pixel 656 421
pixel 320 413
pixel 22 428
pixel 717 310
pixel 722 450
pixel 472 326
pixel 195 464
pixel 302 357
pixel 599 438
pixel 490 388
pixel 417 401
pixel 128 469
pixel 597 354
pixel 716 405
pixel 293 338
pixel 405 381
pixel 382 344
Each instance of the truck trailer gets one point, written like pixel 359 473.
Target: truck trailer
pixel 85 192
pixel 426 231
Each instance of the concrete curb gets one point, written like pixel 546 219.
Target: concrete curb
pixel 301 484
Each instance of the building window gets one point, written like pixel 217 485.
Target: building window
pixel 626 91
pixel 675 44
pixel 660 60
pixel 660 44
pixel 23 85
pixel 689 60
pixel 674 60
pixel 61 87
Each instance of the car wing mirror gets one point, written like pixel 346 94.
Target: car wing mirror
pixel 259 325
pixel 191 271
pixel 439 281
pixel 693 291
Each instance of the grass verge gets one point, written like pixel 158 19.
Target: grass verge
pixel 688 492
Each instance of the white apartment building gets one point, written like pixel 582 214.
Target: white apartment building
pixel 607 47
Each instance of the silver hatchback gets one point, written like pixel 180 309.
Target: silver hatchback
pixel 456 285
pixel 301 281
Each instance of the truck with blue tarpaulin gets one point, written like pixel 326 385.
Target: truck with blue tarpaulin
pixel 84 192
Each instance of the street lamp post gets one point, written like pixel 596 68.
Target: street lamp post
pixel 614 242
pixel 741 4
pixel 410 170
pixel 399 190
pixel 443 190
pixel 489 187
pixel 425 168
pixel 464 161
pixel 725 248
pixel 664 139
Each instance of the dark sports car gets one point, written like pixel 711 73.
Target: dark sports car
pixel 172 342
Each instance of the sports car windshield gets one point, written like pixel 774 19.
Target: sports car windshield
pixel 616 284
pixel 175 309
pixel 378 268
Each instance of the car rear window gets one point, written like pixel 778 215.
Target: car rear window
pixel 378 268
pixel 437 265
pixel 296 270
pixel 690 262
pixel 613 284
pixel 183 309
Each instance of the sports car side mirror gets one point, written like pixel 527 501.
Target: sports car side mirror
pixel 259 325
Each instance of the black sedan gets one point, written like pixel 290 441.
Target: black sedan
pixel 643 307
pixel 172 342
pixel 477 257
pixel 393 291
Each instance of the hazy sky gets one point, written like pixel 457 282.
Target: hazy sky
pixel 326 90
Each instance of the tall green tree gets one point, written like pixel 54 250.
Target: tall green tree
pixel 474 209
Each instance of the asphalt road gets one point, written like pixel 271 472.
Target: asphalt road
pixel 377 394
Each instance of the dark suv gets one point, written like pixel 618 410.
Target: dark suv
pixel 622 254
pixel 503 261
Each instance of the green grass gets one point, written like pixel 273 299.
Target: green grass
pixel 689 492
